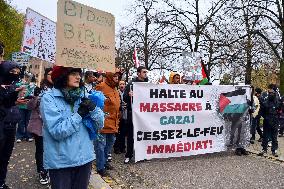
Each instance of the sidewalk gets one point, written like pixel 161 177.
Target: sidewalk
pixel 256 148
pixel 22 170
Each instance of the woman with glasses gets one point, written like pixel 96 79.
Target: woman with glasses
pixel 68 149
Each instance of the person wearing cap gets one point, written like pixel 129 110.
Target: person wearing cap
pixel 68 149
pixel 10 116
pixel 112 107
pixel 270 111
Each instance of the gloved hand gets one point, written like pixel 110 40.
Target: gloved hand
pixel 98 98
pixel 85 107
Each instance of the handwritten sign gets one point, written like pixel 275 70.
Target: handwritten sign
pixel 21 58
pixel 39 36
pixel 191 66
pixel 85 37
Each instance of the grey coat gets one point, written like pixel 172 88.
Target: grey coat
pixel 35 123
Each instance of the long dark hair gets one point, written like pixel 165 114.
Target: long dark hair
pixel 44 84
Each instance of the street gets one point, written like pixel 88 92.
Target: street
pixel 219 170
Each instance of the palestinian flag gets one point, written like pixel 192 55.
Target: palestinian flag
pixel 204 75
pixel 234 102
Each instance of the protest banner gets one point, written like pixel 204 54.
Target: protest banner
pixel 39 36
pixel 21 58
pixel 85 37
pixel 183 120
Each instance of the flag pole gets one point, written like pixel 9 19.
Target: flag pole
pixel 205 70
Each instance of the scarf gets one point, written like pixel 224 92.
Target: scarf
pixel 71 95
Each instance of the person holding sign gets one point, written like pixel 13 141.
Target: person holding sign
pixel 127 97
pixel 68 149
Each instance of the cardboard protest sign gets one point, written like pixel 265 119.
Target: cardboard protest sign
pixel 85 37
pixel 21 58
pixel 182 120
pixel 39 36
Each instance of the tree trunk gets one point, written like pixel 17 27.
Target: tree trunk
pixel 146 52
pixel 282 76
pixel 249 61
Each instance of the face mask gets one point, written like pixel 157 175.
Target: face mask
pixel 10 77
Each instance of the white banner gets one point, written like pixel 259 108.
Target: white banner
pixel 39 36
pixel 21 58
pixel 183 120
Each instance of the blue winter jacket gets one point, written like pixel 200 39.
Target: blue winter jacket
pixel 65 138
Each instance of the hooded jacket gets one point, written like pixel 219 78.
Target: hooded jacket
pixel 9 113
pixel 112 104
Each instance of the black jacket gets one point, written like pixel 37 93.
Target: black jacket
pixel 9 112
pixel 126 97
pixel 270 111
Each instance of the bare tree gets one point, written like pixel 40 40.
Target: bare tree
pixel 190 24
pixel 150 37
pixel 272 29
pixel 124 52
pixel 238 46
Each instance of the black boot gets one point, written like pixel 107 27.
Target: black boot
pixel 238 151
pixel 244 152
pixel 262 153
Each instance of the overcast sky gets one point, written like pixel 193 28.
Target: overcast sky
pixel 48 7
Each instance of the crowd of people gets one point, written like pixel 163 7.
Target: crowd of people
pixel 55 113
pixel 268 108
